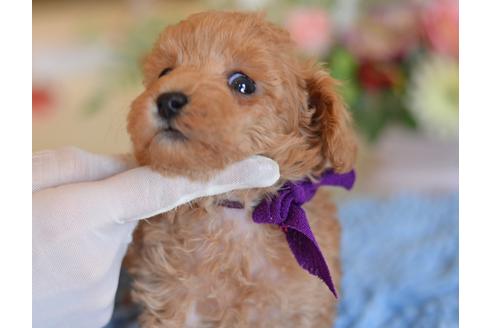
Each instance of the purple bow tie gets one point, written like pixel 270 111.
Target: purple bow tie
pixel 285 210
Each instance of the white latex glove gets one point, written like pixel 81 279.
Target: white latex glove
pixel 85 208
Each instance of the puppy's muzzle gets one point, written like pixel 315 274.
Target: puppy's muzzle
pixel 170 104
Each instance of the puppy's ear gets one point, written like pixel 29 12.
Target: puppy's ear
pixel 331 121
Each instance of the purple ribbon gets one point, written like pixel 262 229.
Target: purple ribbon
pixel 285 210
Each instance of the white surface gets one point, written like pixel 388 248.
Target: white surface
pixel 406 161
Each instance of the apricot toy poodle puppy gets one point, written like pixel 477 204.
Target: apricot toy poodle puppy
pixel 220 87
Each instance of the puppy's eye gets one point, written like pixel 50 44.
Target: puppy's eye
pixel 241 83
pixel 165 71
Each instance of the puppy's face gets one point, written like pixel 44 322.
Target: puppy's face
pixel 220 87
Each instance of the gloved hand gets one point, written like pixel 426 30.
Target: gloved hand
pixel 85 208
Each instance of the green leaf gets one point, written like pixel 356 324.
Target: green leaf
pixel 343 64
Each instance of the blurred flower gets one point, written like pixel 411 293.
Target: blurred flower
pixel 385 33
pixel 440 20
pixel 310 28
pixel 433 95
pixel 379 75
pixel 42 101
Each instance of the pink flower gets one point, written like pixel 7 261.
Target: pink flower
pixel 440 20
pixel 310 28
pixel 385 33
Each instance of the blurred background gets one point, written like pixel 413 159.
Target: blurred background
pixel 398 61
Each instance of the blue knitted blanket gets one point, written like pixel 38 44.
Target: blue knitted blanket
pixel 400 260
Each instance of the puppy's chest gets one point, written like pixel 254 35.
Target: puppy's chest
pixel 240 222
pixel 229 240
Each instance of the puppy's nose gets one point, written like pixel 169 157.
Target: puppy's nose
pixel 169 104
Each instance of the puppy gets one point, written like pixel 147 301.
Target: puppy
pixel 220 87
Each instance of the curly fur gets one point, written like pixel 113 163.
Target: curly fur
pixel 202 265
